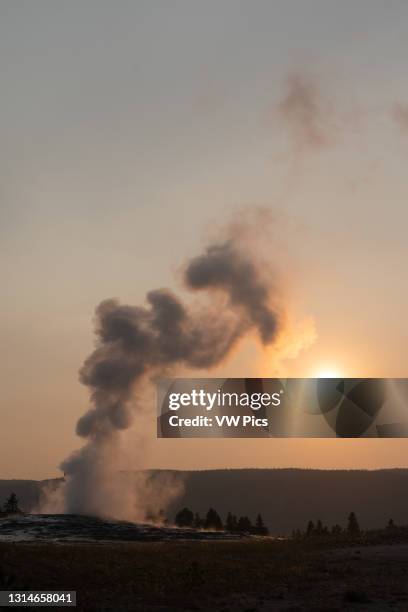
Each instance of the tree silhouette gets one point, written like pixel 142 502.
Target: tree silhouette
pixel 310 528
pixel 11 505
pixel 260 527
pixel 353 527
pixel 244 524
pixel 198 521
pixel 231 523
pixel 213 520
pixel 184 518
pixel 319 527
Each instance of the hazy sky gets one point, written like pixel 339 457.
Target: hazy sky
pixel 130 129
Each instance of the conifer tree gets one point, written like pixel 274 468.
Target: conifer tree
pixel 197 522
pixel 244 524
pixel 184 518
pixel 260 528
pixel 213 520
pixel 11 505
pixel 353 527
pixel 310 528
pixel 230 524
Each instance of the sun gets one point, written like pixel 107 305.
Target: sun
pixel 328 372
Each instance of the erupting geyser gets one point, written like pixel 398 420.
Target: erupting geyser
pixel 135 343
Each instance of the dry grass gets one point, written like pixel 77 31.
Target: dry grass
pixel 245 575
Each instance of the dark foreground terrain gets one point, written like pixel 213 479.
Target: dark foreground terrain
pixel 247 575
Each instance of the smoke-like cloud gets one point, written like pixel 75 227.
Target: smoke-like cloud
pixel 222 267
pixel 136 343
pixel 307 114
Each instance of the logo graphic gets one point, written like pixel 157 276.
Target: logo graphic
pixel 274 407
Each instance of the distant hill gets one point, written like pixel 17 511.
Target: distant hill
pixel 27 491
pixel 287 498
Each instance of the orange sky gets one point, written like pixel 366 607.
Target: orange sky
pixel 131 131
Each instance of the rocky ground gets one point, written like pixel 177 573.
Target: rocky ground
pixel 77 528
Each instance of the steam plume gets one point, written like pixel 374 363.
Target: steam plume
pixel 307 114
pixel 135 343
pixel 222 267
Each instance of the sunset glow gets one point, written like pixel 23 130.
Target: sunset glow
pixel 328 372
pixel 124 161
